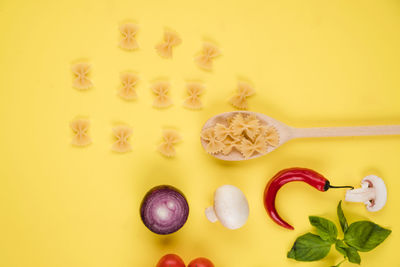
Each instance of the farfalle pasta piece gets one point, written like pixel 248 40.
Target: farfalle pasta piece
pixel 122 134
pixel 171 39
pixel 237 123
pixel 249 125
pixel 214 145
pixel 208 54
pixel 248 148
pixel 167 150
pixel 270 135
pixel 128 36
pixel 81 76
pixel 208 133
pixel 239 100
pixel 194 91
pixel 80 128
pixel 245 89
pixel 162 100
pixel 229 144
pixel 128 83
pixel 222 131
pixel 170 137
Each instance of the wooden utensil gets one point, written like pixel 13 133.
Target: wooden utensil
pixel 287 133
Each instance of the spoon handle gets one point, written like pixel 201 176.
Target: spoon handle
pixel 346 131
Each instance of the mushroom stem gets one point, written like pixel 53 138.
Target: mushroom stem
pixel 363 194
pixel 210 214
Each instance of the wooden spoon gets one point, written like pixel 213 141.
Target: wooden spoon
pixel 287 133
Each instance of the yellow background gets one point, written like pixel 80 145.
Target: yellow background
pixel 313 63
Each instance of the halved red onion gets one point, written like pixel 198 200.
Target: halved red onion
pixel 164 209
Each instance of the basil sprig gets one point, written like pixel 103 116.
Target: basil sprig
pixel 360 236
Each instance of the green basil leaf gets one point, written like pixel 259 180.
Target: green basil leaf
pixel 341 247
pixel 353 256
pixel 326 229
pixel 348 252
pixel 365 235
pixel 309 247
pixel 342 219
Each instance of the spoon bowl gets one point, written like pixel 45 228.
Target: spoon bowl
pixel 287 133
pixel 284 132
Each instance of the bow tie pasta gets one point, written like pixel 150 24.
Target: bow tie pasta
pixel 122 134
pixel 80 128
pixel 242 133
pixel 194 91
pixel 170 138
pixel 128 36
pixel 171 39
pixel 81 76
pixel 207 55
pixel 162 100
pixel 239 100
pixel 128 83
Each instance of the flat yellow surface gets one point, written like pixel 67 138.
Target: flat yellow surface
pixel 313 63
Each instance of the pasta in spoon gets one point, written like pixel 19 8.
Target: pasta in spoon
pixel 239 133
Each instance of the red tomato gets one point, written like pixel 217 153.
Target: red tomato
pixel 201 262
pixel 170 260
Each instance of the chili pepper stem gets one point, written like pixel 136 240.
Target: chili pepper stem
pixel 328 185
pixel 342 186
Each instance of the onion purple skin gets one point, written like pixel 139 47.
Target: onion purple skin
pixel 164 209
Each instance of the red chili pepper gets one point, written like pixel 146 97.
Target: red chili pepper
pixel 291 175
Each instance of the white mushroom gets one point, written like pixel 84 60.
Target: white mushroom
pixel 372 193
pixel 230 207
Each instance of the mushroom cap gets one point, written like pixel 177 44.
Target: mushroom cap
pixel 377 183
pixel 231 206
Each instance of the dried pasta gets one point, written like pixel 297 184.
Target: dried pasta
pixel 239 100
pixel 128 36
pixel 230 143
pixel 271 136
pixel 245 89
pixel 194 91
pixel 248 125
pixel 245 134
pixel 80 128
pixel 128 83
pixel 81 76
pixel 248 148
pixel 170 138
pixel 208 54
pixel 171 39
pixel 122 134
pixel 222 131
pixel 214 145
pixel 162 100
